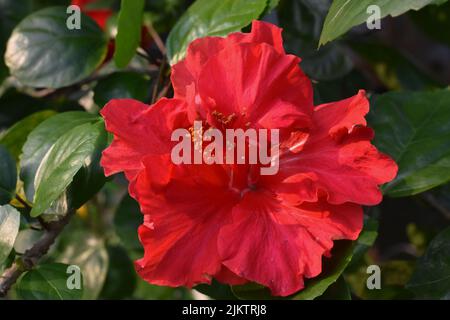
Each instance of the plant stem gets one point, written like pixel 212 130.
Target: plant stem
pixel 432 201
pixel 159 43
pixel 32 256
pixel 160 81
pixel 23 202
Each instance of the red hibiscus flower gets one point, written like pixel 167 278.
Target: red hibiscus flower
pixel 100 16
pixel 229 222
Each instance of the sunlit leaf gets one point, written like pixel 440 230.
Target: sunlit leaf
pixel 344 14
pixel 44 52
pixel 9 227
pixel 47 282
pixel 210 18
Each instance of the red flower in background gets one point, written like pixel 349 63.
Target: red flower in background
pixel 100 16
pixel 226 221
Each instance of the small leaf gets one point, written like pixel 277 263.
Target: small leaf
pixel 345 14
pixel 8 176
pixel 26 239
pixel 272 4
pixel 41 140
pixel 61 164
pixel 15 137
pixel 43 52
pixel 89 254
pixel 413 128
pixel 9 227
pixel 11 12
pixel 47 282
pixel 210 18
pixel 90 178
pixel 431 278
pixel 128 31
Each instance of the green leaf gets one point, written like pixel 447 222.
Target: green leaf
pixel 11 12
pixel 332 269
pixel 301 21
pixel 431 278
pixel 26 239
pixel 271 5
pixel 9 227
pixel 210 18
pixel 15 137
pixel 128 31
pixel 8 176
pixel 345 14
pixel 61 164
pixel 90 178
pixel 121 277
pixel 43 52
pixel 6 263
pixel 337 291
pixel 47 282
pixel 89 254
pixel 121 85
pixel 369 233
pixel 41 140
pixel 413 128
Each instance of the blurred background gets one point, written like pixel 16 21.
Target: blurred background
pixel 411 52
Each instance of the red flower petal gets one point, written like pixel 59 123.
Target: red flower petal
pixel 226 276
pixel 82 3
pixel 186 72
pixel 100 16
pixel 277 245
pixel 264 88
pixel 139 130
pixel 182 224
pixel 227 221
pixel 331 118
pixel 341 164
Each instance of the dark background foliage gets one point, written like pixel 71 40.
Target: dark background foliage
pixel 53 85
